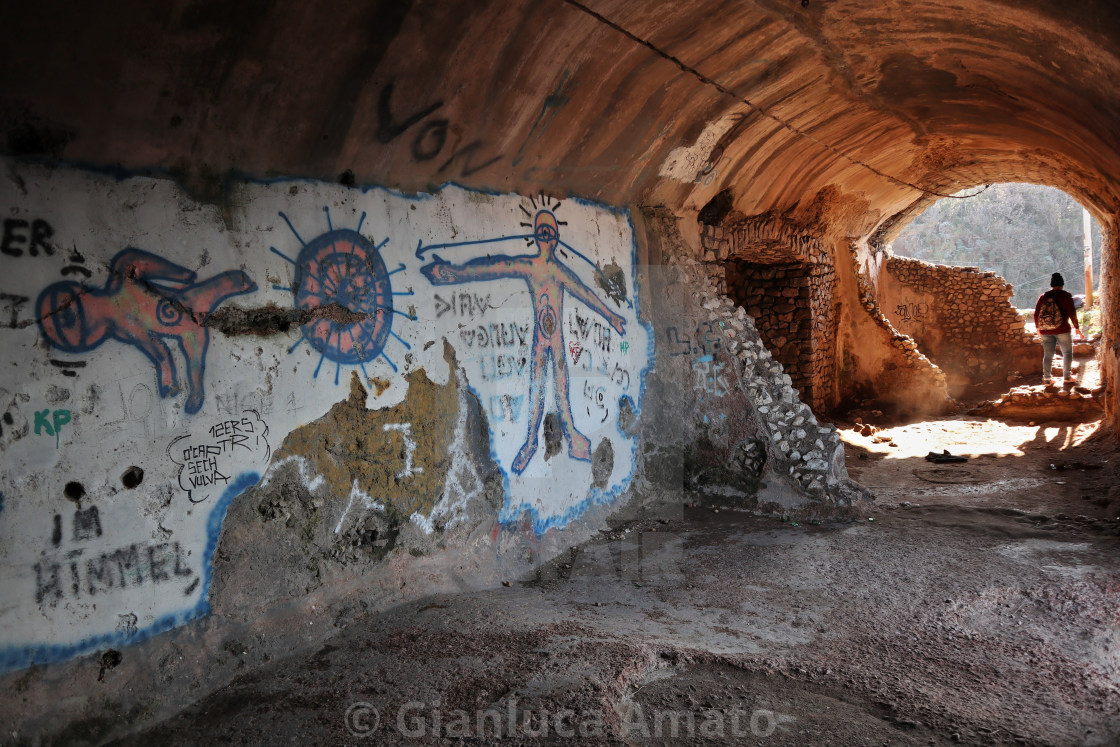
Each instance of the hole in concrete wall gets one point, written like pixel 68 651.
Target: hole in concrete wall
pixel 552 435
pixel 602 463
pixel 132 477
pixel 74 491
pixel 626 417
pixel 38 139
pixel 111 659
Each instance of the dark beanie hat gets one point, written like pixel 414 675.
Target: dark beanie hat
pixel 1056 279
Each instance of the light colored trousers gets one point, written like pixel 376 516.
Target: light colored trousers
pixel 1065 342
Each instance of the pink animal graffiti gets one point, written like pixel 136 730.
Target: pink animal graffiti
pixel 145 299
pixel 548 279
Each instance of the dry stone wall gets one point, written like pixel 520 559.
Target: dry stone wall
pixel 786 282
pixel 961 317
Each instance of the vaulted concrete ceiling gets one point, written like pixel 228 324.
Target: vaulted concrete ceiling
pixel 628 102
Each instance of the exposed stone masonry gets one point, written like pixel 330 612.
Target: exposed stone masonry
pixel 1071 404
pixel 762 239
pixel 810 453
pixel 960 316
pixel 787 283
pixel 793 311
pixel 791 302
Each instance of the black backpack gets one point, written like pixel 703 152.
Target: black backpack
pixel 1050 314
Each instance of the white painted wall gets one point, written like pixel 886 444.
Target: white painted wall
pixel 122 563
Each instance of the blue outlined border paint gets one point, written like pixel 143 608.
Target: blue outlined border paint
pixel 510 514
pixel 14 657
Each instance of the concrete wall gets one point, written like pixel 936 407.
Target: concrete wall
pixel 162 356
pixel 384 443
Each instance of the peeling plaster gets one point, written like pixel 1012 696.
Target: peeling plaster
pixel 461 321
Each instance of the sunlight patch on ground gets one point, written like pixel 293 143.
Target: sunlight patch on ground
pixel 968 436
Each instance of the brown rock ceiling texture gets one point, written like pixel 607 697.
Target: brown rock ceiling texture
pixel 867 96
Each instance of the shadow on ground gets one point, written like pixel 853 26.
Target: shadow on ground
pixel 949 619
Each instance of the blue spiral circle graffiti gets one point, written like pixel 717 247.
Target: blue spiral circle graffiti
pixel 168 313
pixel 341 277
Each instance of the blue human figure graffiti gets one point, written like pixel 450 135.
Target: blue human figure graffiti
pixel 548 279
pixel 146 299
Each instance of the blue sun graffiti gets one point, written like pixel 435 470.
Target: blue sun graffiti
pixel 341 277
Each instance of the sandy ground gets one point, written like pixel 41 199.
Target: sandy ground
pixel 1047 468
pixel 975 603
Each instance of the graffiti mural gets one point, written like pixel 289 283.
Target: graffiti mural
pixel 147 298
pixel 342 273
pixel 115 489
pixel 548 280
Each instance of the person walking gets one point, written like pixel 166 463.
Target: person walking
pixel 1053 314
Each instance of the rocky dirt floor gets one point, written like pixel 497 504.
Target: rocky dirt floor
pixel 975 603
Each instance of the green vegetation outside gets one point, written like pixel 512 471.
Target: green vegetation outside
pixel 1024 232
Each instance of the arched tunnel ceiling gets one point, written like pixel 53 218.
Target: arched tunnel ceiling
pixel 867 95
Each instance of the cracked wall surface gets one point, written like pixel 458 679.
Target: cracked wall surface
pixel 215 280
pixel 338 327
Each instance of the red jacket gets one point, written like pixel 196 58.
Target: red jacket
pixel 1065 303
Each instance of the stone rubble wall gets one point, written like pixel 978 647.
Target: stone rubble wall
pixel 809 452
pixel 1075 404
pixel 762 262
pixel 791 302
pixel 961 317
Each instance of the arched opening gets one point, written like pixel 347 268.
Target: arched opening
pixel 959 276
pixel 1023 232
pixel 962 277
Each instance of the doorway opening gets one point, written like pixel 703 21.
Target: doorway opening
pixel 792 306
